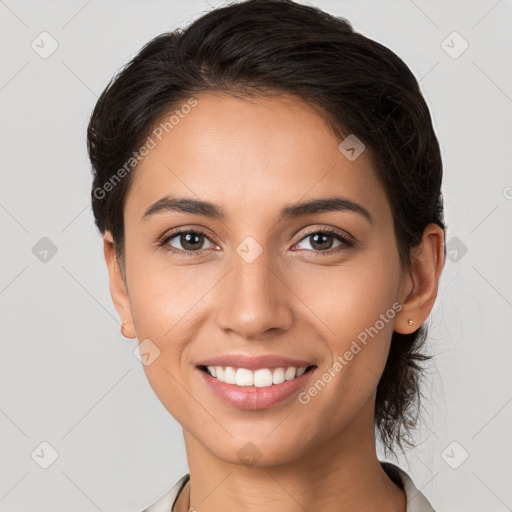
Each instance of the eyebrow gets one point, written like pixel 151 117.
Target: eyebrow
pixel 291 211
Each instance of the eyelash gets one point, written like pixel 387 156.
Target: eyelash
pixel 346 242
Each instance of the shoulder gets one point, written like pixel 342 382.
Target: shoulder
pixel 416 501
pixel 166 502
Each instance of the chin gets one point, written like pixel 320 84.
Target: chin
pixel 258 450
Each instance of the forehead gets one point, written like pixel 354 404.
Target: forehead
pixel 251 154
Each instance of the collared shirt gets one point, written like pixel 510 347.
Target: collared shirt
pixel 416 501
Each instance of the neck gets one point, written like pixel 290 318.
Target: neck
pixel 340 474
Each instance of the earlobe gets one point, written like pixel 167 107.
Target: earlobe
pixel 427 261
pixel 118 290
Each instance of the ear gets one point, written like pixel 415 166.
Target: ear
pixel 118 289
pixel 419 291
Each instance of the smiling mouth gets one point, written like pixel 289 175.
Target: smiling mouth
pixel 260 378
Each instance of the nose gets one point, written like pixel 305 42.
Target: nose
pixel 254 299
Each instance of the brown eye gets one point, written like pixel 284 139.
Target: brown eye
pixel 187 241
pixel 321 241
pixel 325 241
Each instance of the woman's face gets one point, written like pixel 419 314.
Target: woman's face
pixel 257 282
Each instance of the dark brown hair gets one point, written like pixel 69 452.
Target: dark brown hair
pixel 260 47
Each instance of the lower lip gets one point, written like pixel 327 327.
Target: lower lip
pixel 251 397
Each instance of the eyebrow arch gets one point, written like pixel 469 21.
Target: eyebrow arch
pixel 291 211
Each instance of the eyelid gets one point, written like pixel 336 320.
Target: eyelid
pixel 187 229
pixel 330 230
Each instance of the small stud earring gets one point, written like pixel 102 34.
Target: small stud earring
pixel 410 322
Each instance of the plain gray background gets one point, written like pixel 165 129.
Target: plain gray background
pixel 67 376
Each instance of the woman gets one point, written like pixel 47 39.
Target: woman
pixel 268 187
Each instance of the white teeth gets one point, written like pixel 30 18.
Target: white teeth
pixel 300 371
pixel 230 375
pixel 244 377
pixel 278 376
pixel 261 378
pixel 290 372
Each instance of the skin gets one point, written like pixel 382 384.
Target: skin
pixel 252 157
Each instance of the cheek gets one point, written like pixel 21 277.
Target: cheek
pixel 167 304
pixel 356 305
pixel 357 321
pixel 164 296
pixel 353 296
pixel 164 304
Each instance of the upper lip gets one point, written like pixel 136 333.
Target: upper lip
pixel 255 362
